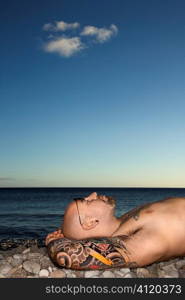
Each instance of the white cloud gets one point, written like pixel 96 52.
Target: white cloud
pixel 60 26
pixel 101 34
pixel 65 46
pixel 61 41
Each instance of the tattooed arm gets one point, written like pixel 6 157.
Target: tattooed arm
pixel 94 253
pixel 57 234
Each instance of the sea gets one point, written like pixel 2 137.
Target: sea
pixel 31 213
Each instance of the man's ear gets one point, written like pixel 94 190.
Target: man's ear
pixel 90 223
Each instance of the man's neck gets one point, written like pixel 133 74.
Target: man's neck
pixel 115 225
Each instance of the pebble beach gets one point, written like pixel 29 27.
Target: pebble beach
pixel 29 259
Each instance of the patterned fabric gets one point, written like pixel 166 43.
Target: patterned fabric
pixel 94 253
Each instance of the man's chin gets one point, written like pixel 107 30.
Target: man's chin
pixel 111 201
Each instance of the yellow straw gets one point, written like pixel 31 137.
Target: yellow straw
pixel 100 257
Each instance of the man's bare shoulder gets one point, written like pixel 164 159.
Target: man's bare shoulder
pixel 134 213
pixel 149 208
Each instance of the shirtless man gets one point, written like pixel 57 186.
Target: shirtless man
pixel 147 234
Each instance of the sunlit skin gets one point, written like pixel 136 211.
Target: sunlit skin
pixel 155 232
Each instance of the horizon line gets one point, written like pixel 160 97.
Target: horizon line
pixel 89 187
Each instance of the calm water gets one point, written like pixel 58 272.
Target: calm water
pixel 33 212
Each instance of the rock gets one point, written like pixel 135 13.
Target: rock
pixel 5 268
pixel 172 274
pixel 90 274
pixel 9 259
pixel 17 260
pixel 43 251
pixel 118 274
pixel 2 276
pixel 31 267
pixel 45 262
pixel 169 268
pixel 143 273
pixel 153 269
pixel 68 272
pixel 182 272
pixel 50 269
pixel 179 264
pixel 108 274
pixel 20 273
pixel 1 257
pixel 168 274
pixel 129 275
pixel 24 257
pixel 17 256
pixel 124 271
pixel 79 274
pixel 161 273
pixel 14 270
pixel 34 255
pixel 57 274
pixel 72 275
pixel 26 251
pixel 43 273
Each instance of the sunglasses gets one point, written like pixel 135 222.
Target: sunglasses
pixel 76 201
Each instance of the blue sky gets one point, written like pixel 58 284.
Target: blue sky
pixel 92 93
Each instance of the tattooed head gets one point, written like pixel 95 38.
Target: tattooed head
pixel 92 216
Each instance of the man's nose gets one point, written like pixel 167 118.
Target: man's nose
pixel 92 196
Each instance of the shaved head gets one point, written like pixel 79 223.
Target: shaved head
pixel 92 216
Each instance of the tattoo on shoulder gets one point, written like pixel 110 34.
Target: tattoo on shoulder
pixel 134 213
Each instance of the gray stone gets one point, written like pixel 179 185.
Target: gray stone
pixel 161 273
pixel 168 273
pixel 57 274
pixel 20 273
pixel 24 257
pixel 108 274
pixel 67 271
pixel 34 255
pixel 179 264
pixel 72 275
pixel 118 274
pixel 172 274
pixel 182 272
pixel 153 269
pixel 50 269
pixel 143 273
pixel 26 251
pixel 9 259
pixel 79 274
pixel 14 270
pixel 45 262
pixel 169 268
pixel 128 275
pixel 124 271
pixel 43 273
pixel 89 274
pixel 5 268
pixel 1 257
pixel 31 266
pixel 17 256
pixel 16 261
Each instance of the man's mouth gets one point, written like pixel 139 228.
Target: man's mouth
pixel 107 199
